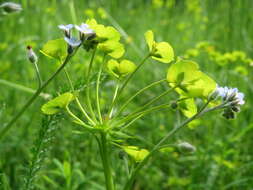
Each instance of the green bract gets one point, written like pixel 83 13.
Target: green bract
pixel 136 153
pixel 190 80
pixel 160 51
pixel 120 69
pixel 107 38
pixel 188 107
pixel 55 105
pixel 56 49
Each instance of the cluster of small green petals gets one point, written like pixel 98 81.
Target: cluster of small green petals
pixel 108 39
pixel 136 153
pixel 160 51
pixel 120 69
pixel 57 104
pixel 191 82
pixel 112 48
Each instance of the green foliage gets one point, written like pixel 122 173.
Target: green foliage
pixel 4 182
pixel 41 147
pixel 57 104
pixel 56 49
pixel 224 147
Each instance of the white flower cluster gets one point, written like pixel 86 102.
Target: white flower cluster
pixel 231 95
pixel 232 98
pixel 85 32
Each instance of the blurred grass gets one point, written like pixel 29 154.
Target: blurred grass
pixel 224 156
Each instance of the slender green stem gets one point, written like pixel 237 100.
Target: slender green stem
pixel 137 93
pixel 154 99
pixel 138 115
pixel 77 99
pixel 156 147
pixel 23 88
pixel 131 122
pixel 142 113
pixel 113 99
pixel 38 74
pixel 132 74
pixel 31 100
pixel 77 119
pixel 88 86
pixel 106 162
pixel 97 90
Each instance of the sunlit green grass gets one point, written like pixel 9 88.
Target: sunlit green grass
pixel 224 148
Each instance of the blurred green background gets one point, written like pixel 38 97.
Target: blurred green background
pixel 217 34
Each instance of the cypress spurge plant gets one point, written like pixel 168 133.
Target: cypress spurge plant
pixel 108 124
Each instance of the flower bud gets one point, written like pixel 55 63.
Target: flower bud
pixel 31 55
pixel 186 147
pixel 174 105
pixel 121 155
pixel 10 7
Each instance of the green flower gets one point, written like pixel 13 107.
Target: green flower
pixel 160 51
pixel 190 80
pixel 108 39
pixel 136 153
pixel 120 69
pixel 57 104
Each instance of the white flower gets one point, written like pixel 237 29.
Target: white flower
pixel 31 55
pixel 85 30
pixel 10 7
pixel 73 42
pixel 240 98
pixel 230 95
pixel 67 29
